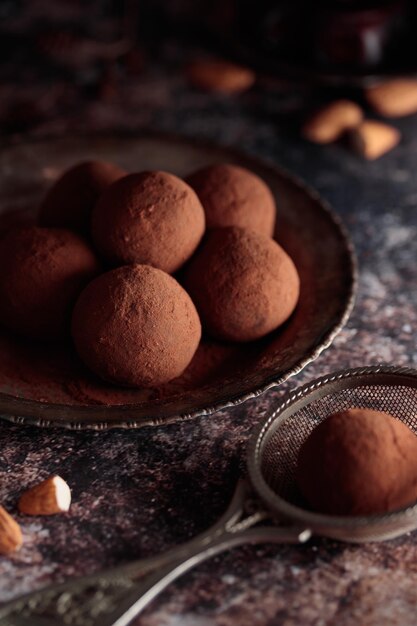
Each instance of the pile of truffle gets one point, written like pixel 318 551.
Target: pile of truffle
pixel 99 264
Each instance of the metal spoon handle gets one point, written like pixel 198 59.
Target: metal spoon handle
pixel 146 591
pixel 115 597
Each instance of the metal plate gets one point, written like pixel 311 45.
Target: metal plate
pixel 306 227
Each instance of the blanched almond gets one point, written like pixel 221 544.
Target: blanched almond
pixel 47 498
pixel 332 121
pixel 372 139
pixel 221 76
pixel 394 98
pixel 10 533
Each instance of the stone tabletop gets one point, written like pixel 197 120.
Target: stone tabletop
pixel 138 493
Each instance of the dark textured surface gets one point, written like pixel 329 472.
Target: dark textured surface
pixel 137 493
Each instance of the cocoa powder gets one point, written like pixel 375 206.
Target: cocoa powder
pixel 54 373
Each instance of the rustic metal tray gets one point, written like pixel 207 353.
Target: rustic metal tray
pixel 306 227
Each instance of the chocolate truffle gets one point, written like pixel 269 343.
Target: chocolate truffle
pixel 42 271
pixel 243 284
pixel 69 202
pixel 234 196
pixel 358 462
pixel 152 218
pixel 136 326
pixel 15 218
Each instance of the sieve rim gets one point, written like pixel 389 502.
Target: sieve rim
pixel 286 408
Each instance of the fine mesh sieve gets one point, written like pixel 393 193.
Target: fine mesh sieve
pixel 115 597
pixel 274 448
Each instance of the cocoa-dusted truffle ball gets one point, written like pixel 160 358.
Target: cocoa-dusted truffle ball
pixel 359 462
pixel 69 202
pixel 15 218
pixel 152 218
pixel 42 271
pixel 136 326
pixel 234 196
pixel 243 284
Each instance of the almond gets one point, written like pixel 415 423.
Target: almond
pixel 394 98
pixel 220 76
pixel 10 533
pixel 47 498
pixel 332 121
pixel 372 139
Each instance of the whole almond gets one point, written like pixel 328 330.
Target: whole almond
pixel 47 498
pixel 394 98
pixel 372 139
pixel 10 533
pixel 217 75
pixel 332 121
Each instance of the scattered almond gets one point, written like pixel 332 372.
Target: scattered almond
pixel 332 121
pixel 220 76
pixel 47 498
pixel 372 139
pixel 394 98
pixel 10 533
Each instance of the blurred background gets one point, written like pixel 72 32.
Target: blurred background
pixel 70 64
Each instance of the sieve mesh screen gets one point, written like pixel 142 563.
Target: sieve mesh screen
pixel 279 457
pixel 276 447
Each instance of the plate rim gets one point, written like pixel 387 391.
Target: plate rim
pixel 45 421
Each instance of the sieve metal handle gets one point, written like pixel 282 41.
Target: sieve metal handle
pixel 115 597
